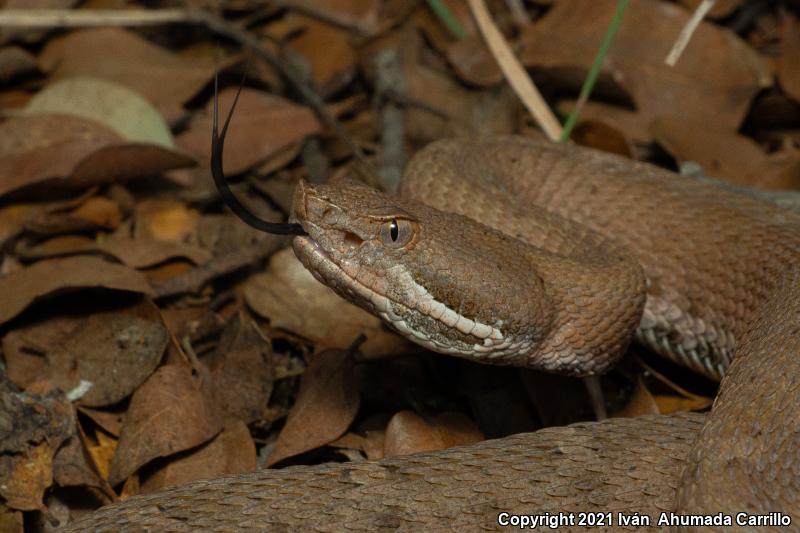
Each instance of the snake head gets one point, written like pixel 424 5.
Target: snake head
pixel 441 280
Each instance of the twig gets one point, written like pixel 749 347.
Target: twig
pixel 594 72
pixel 68 18
pixel 514 72
pixel 686 33
pixel 48 18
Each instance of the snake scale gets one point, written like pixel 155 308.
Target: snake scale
pixel 512 251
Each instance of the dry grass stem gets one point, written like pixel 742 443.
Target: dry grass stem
pixel 514 72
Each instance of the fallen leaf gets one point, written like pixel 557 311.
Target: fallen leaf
pixel 73 466
pixel 726 155
pixel 231 452
pixel 69 152
pixel 11 521
pixel 165 220
pixel 103 452
pixel 409 433
pixel 640 403
pixel 326 406
pixel 109 419
pixel 15 62
pixel 714 81
pixel 100 211
pixel 600 136
pixel 163 78
pixel 328 50
pixel 293 300
pixel 171 412
pixel 241 375
pixel 115 352
pixel 23 287
pixel 30 474
pixel 789 60
pixel 262 125
pixel 111 104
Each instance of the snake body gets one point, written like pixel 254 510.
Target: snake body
pixel 511 251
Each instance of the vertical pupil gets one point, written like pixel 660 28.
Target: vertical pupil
pixel 393 230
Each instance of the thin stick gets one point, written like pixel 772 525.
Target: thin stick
pixel 686 33
pixel 514 72
pixel 594 72
pixel 68 18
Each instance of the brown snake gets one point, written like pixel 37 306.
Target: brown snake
pixel 558 285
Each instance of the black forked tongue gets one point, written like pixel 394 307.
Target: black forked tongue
pixel 217 145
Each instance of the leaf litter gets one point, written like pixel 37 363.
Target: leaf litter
pixel 191 346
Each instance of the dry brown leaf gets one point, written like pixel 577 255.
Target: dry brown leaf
pixel 22 366
pixel 600 136
pixel 293 300
pixel 101 211
pixel 474 63
pixel 640 403
pixel 11 521
pixel 714 81
pixel 23 287
pixel 15 62
pixel 789 60
pixel 115 352
pixel 620 118
pixel 326 406
pixel 165 220
pixel 409 433
pixel 241 375
pixel 171 412
pixel 143 253
pixel 726 155
pixel 119 55
pixel 65 151
pixel 668 404
pixel 231 452
pixel 438 34
pixel 327 49
pixel 262 125
pixel 110 419
pixel 73 465
pixel 103 452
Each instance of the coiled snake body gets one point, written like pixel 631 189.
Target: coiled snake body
pixel 554 276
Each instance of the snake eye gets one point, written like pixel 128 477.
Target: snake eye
pixel 396 232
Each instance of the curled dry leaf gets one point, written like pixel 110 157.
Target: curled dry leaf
pixel 171 412
pixel 111 104
pixel 115 352
pixel 326 406
pixel 292 299
pixel 726 155
pixel 262 125
pixel 714 81
pixel 23 287
pixel 409 433
pixel 163 78
pixel 231 452
pixel 71 152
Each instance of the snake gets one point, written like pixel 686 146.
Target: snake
pixel 511 251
